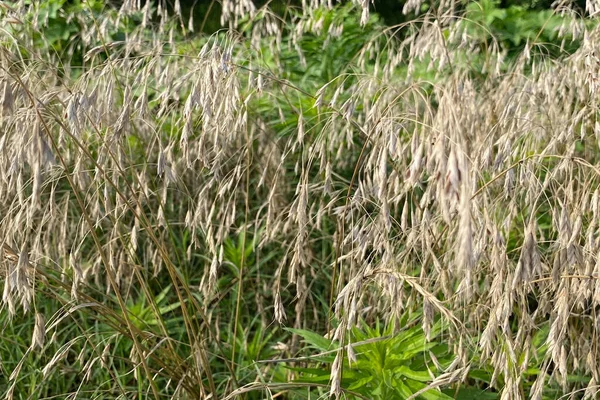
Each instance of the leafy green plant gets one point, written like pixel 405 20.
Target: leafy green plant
pixel 381 362
pixel 515 26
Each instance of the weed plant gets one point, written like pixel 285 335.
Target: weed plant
pixel 170 202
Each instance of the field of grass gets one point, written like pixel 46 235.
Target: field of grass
pixel 301 205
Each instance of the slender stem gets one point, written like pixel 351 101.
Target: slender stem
pixel 243 246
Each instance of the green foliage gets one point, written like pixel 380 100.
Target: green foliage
pixel 143 315
pixel 515 26
pixel 388 363
pixel 57 26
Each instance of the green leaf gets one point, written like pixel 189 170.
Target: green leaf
pixel 361 382
pixel 165 309
pixel 402 389
pixel 312 338
pixel 431 394
pixel 421 376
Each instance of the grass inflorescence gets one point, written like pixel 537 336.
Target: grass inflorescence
pixel 300 204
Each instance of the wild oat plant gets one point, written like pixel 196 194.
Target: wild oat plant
pixel 429 172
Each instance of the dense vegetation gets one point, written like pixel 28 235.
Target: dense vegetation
pixel 309 202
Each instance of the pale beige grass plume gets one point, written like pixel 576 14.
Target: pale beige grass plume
pixel 438 190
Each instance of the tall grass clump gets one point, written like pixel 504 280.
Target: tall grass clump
pixel 416 205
